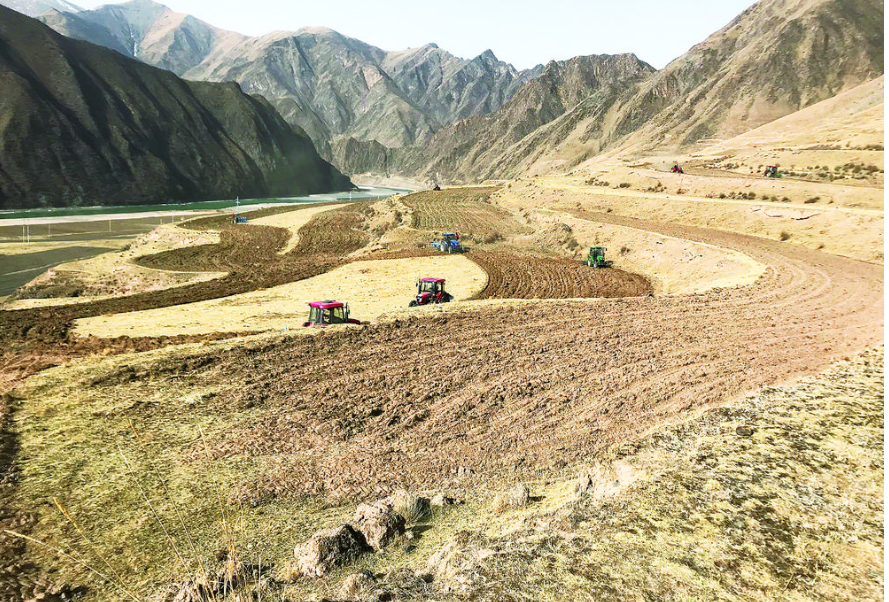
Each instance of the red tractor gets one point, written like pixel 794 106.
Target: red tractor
pixel 430 290
pixel 325 313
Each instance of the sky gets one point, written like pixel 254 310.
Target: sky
pixel 522 32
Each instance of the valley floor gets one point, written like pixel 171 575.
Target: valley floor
pixel 655 378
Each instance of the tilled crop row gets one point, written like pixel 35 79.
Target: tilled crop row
pixel 466 211
pixel 513 276
pixel 458 399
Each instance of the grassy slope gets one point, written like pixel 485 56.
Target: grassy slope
pixel 696 512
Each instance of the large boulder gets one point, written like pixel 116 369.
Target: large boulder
pixel 379 523
pixel 328 549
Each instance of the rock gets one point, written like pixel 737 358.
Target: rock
pixel 441 499
pixel 327 549
pixel 517 496
pixel 454 567
pixel 379 523
pixel 357 586
pixel 600 481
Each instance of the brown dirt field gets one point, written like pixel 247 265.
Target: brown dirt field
pixel 458 400
pixel 512 276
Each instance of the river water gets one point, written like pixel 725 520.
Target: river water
pixel 43 214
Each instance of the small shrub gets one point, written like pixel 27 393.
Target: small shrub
pixel 624 250
pixel 722 195
pixel 411 506
pixel 784 235
pixel 785 200
pixel 623 185
pixel 814 199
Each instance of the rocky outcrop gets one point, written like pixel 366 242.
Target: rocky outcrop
pixel 776 58
pixel 145 30
pixel 84 125
pixel 329 549
pixel 476 149
pixel 515 497
pixel 379 523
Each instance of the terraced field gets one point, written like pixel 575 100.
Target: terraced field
pixel 466 211
pixel 249 253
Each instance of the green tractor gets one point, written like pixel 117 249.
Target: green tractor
pixel 597 258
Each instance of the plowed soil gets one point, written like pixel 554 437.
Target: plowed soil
pixel 509 392
pixel 512 276
pixel 466 211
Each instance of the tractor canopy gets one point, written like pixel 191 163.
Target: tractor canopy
pixel 430 285
pixel 328 312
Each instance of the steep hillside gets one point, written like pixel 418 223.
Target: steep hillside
pixel 777 57
pixel 146 30
pixel 32 8
pixel 774 59
pixel 82 124
pixel 449 88
pixel 321 81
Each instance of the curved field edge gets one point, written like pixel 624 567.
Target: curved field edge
pixel 777 495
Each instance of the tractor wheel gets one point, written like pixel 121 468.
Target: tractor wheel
pixel 412 304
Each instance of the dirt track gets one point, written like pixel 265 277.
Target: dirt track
pixel 507 392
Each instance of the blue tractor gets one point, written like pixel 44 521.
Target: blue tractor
pixel 448 243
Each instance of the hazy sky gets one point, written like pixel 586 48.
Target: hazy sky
pixel 521 32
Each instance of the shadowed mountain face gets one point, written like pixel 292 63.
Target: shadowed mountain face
pixel 83 124
pixel 325 83
pixel 776 58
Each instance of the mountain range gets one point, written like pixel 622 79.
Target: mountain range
pixel 328 84
pixel 777 57
pixel 83 124
pixel 424 113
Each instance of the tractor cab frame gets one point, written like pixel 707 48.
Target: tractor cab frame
pixel 430 290
pixel 327 313
pixel 448 243
pixel 597 258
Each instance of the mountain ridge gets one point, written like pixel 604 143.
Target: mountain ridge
pixel 84 124
pixel 318 79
